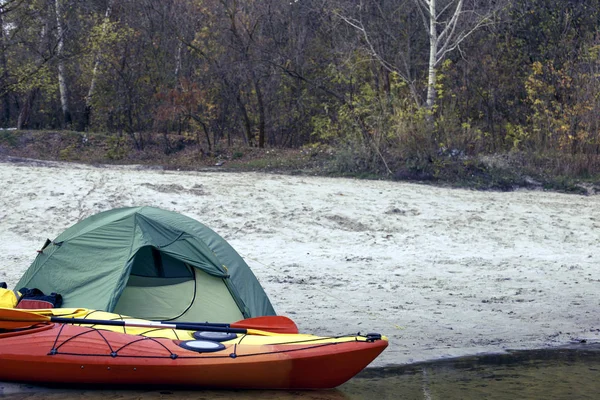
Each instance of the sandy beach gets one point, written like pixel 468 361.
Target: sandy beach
pixel 442 272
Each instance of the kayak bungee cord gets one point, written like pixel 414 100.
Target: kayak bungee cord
pixel 136 339
pixel 120 317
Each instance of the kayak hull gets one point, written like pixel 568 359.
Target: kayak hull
pixel 57 353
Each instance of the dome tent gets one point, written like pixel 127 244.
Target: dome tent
pixel 148 263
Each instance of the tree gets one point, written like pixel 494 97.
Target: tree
pixel 97 59
pixel 30 78
pixel 62 79
pixel 384 25
pixel 5 114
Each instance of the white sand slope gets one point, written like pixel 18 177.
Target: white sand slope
pixel 442 272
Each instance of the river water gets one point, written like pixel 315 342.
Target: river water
pixel 566 373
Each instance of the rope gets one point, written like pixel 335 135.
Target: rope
pixel 138 338
pixel 120 317
pixel 200 356
pixel 54 349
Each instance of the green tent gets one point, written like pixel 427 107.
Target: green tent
pixel 148 263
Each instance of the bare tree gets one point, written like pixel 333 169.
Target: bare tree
pixel 447 24
pixel 447 27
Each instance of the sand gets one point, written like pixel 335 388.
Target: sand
pixel 442 272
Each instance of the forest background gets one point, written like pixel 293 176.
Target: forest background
pixel 484 93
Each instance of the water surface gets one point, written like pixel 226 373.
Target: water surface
pixel 566 373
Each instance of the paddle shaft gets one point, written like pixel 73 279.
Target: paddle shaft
pixel 152 324
pixel 268 323
pixel 12 318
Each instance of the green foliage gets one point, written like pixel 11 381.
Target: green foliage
pixel 69 153
pixel 31 76
pixel 8 138
pixel 515 135
pixel 220 73
pixel 117 148
pixel 565 104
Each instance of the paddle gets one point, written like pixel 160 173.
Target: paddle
pixel 9 319
pixel 270 323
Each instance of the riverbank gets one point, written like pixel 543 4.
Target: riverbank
pixel 443 272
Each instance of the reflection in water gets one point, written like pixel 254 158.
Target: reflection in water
pixel 21 391
pixel 568 373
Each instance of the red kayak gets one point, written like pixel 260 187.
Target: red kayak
pixel 65 353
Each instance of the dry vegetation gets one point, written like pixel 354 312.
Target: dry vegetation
pixel 503 172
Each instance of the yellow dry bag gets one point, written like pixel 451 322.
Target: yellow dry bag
pixel 8 299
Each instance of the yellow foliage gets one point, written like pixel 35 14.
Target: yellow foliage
pixel 516 134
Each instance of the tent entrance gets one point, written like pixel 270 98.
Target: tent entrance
pixel 161 287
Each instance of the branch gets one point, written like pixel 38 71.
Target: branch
pixel 191 46
pixel 447 7
pixel 450 46
pixel 423 7
pixel 376 56
pixel 9 5
pixel 296 75
pixel 359 26
pixel 350 21
pixel 449 29
pixel 11 87
pixel 424 3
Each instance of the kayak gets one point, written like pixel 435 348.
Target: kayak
pixel 97 354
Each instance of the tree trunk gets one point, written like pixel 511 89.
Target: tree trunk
pixel 89 98
pixel 25 112
pixel 178 60
pixel 62 82
pixel 5 114
pixel 247 123
pixel 261 115
pixel 433 47
pixel 206 132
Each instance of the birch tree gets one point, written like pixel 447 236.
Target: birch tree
pixel 447 23
pixel 97 59
pixel 5 113
pixel 62 80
